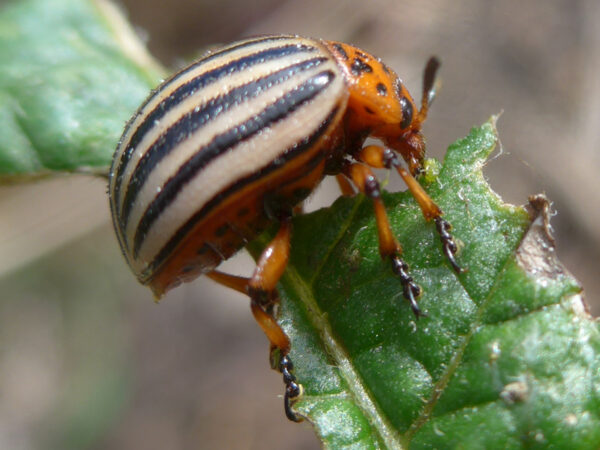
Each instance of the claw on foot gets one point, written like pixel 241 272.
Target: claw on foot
pixel 410 289
pixel 450 247
pixel 293 390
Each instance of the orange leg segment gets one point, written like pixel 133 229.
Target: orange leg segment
pixel 345 186
pixel 389 247
pixel 262 289
pixel 380 157
pixel 234 282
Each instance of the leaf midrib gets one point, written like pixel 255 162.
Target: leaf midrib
pixel 442 383
pixel 362 397
pixel 304 289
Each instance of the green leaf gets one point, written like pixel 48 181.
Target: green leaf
pixel 71 75
pixel 507 356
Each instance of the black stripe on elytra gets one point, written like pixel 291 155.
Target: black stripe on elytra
pixel 190 88
pixel 209 57
pixel 289 154
pixel 226 50
pixel 199 117
pixel 273 113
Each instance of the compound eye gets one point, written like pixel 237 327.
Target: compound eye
pixel 407 112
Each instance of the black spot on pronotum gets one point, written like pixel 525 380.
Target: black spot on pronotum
pixel 359 66
pixel 202 250
pixel 381 89
pixel 407 112
pixel 369 110
pixel 340 49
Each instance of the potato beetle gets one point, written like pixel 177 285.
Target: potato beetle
pixel 236 140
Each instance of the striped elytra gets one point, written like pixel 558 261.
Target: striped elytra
pixel 196 161
pixel 236 140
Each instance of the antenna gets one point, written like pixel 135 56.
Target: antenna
pixel 430 86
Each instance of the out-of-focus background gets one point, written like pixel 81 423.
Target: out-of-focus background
pixel 88 361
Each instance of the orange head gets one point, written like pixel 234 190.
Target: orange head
pixel 381 106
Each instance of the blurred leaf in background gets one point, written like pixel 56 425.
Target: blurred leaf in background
pixel 70 76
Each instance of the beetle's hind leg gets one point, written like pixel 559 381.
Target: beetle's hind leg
pixel 234 282
pixel 345 186
pixel 389 247
pixel 262 289
pixel 380 157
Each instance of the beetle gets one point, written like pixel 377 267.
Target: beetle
pixel 235 141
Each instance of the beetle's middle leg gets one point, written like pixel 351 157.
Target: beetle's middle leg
pixel 262 289
pixel 389 247
pixel 380 157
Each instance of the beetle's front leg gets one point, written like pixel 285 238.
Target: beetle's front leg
pixel 380 157
pixel 389 247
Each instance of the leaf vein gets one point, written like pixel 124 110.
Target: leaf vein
pixel 443 381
